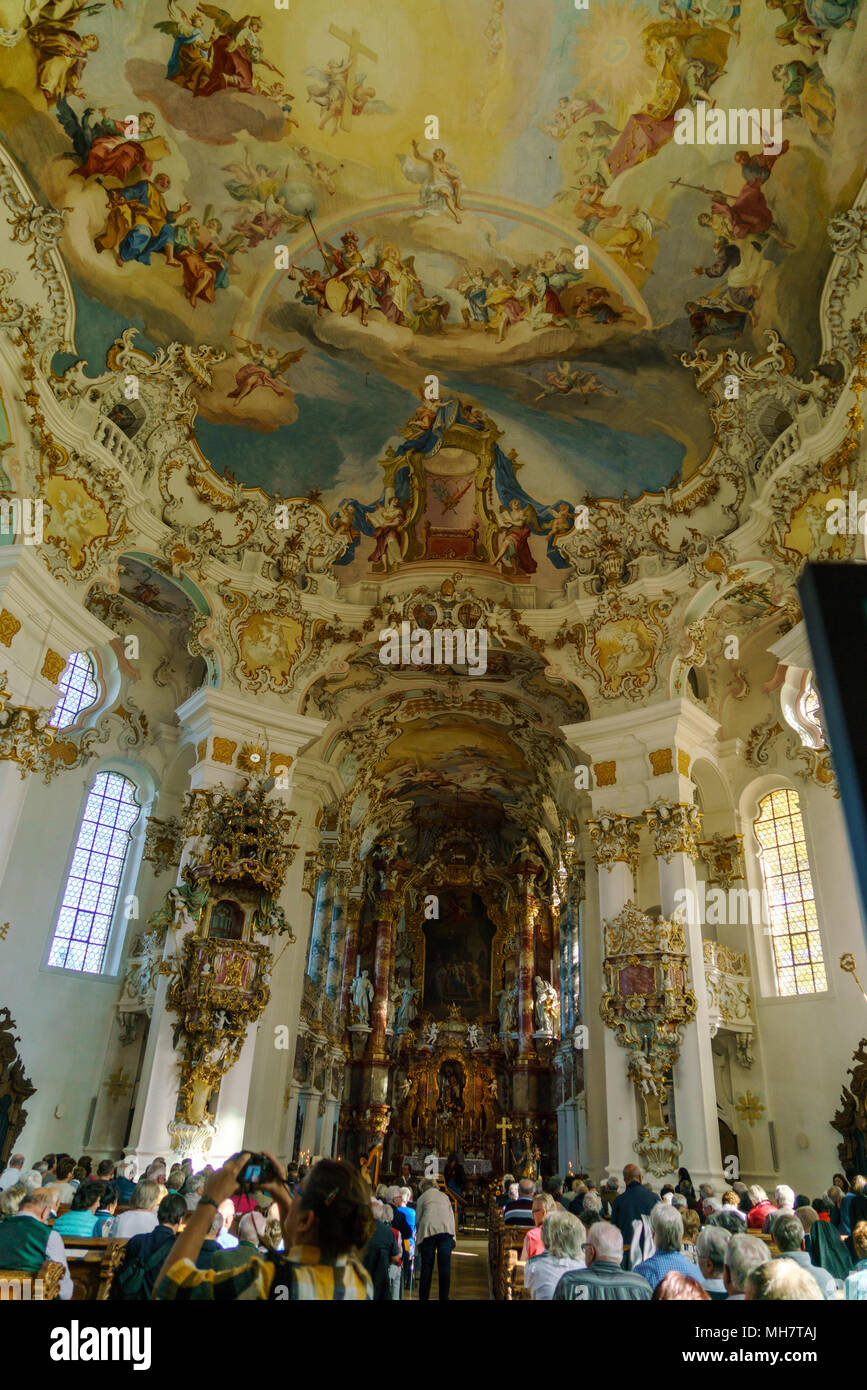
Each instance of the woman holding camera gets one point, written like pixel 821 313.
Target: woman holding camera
pixel 325 1224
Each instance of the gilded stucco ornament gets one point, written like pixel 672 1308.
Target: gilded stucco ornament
pixel 675 826
pixel 647 1003
pixel 615 839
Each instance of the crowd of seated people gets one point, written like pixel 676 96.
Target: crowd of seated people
pixel 595 1242
pixel 321 1233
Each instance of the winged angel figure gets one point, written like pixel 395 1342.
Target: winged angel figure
pixel 330 91
pixel 219 61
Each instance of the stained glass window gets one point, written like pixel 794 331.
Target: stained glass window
pixel 794 926
pixel 78 690
pixel 90 897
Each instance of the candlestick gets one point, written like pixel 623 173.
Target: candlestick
pixel 358 964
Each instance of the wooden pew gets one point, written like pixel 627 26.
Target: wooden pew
pixel 92 1264
pixel 504 1249
pixel 13 1283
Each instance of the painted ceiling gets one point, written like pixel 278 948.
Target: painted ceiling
pixel 307 128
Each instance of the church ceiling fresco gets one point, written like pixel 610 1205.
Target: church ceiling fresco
pixel 456 255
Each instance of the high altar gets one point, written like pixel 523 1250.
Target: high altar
pixel 469 1030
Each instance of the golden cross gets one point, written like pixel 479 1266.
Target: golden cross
pixel 4 930
pixel 117 1084
pixel 356 47
pixel 503 1126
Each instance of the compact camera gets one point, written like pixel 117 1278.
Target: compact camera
pixel 256 1171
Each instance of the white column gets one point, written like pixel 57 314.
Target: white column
pixel 693 1075
pixel 207 715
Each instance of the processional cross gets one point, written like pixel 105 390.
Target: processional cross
pixel 356 47
pixel 503 1127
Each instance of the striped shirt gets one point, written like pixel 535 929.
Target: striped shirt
pixel 303 1273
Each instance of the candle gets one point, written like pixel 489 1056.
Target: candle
pixel 358 964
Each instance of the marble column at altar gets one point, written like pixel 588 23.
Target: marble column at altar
pixel 528 907
pixel 41 623
pixel 323 907
pixel 337 941
pixel 571 1113
pixel 350 948
pixel 217 723
pixel 383 962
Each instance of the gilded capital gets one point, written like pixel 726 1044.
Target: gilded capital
pixel 615 839
pixel 675 826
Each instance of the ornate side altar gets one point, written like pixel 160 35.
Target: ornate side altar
pixel 647 1003
pixel 219 972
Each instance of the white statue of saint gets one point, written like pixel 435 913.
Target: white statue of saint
pixel 361 995
pixel 546 1005
pixel 181 909
pixel 643 1073
pixel 390 1006
pixel 407 1010
pixel 475 1036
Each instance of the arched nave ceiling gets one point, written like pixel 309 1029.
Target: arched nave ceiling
pixel 425 754
pixel 589 489
pixel 557 129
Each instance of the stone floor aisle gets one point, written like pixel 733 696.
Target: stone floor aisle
pixel 469 1270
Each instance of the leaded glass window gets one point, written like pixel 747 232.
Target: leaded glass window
pixel 78 690
pixel 794 926
pixel 95 875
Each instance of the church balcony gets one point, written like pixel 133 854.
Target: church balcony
pixel 728 983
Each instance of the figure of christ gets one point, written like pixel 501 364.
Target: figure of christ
pixel 443 180
pixel 117 155
pixel 139 222
pixel 515 550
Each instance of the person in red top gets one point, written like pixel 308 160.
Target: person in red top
pixel 543 1205
pixel 761 1206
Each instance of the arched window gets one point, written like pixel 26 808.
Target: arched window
pixel 794 925
pixel 78 690
pixel 95 874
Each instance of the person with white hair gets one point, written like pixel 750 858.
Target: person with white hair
pixel 192 1190
pixel 710 1250
pixel 563 1237
pixel 31 1179
pixel 124 1181
pixel 603 1277
pixel 666 1224
pixel 743 1254
pixel 784 1198
pixel 760 1206
pixel 12 1172
pixel 435 1237
pixel 251 1229
pixel 788 1236
pixel 591 1209
pixel 141 1216
pixel 782 1280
